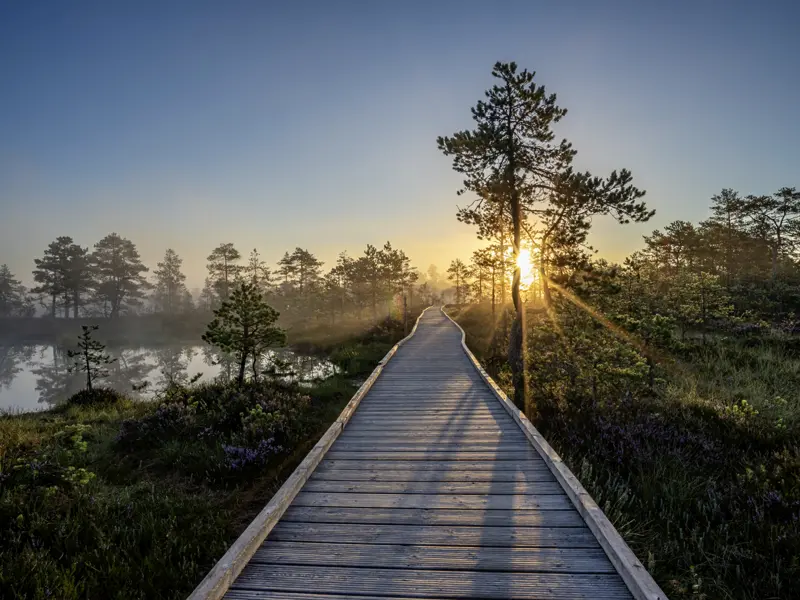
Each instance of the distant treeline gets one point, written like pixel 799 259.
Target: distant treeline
pixel 110 282
pixel 740 265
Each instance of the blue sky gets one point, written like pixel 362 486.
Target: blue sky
pixel 283 124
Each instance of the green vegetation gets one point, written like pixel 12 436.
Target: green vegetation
pixel 693 455
pixel 243 327
pixel 107 498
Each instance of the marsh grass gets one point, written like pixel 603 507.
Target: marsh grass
pixel 700 475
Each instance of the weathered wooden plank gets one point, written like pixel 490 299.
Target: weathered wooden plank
pixel 389 428
pixel 536 464
pixel 485 436
pixel 421 476
pixel 454 455
pixel 436 487
pixel 439 584
pixel 455 410
pixel 429 516
pixel 548 502
pixel 447 413
pixel 429 423
pixel 471 558
pixel 436 535
pixel 426 446
pixel 249 594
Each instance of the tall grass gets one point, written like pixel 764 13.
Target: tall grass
pixel 701 475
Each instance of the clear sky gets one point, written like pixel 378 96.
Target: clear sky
pixel 313 124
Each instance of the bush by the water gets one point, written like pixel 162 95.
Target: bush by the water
pixel 94 397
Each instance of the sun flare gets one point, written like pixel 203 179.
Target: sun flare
pixel 525 265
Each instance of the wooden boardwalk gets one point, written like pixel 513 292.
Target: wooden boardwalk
pixel 432 490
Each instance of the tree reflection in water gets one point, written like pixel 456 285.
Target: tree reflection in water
pixel 38 376
pixel 55 381
pixel 11 360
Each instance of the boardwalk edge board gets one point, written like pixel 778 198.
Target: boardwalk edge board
pixel 640 583
pixel 227 569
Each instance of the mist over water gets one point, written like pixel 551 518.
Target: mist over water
pixel 36 377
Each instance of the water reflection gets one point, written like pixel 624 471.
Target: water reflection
pixel 173 365
pixel 12 361
pixel 37 377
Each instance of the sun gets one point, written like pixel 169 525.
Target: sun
pixel 525 265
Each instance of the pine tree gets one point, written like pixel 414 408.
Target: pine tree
pixel 49 272
pixel 118 274
pixel 244 327
pixel 511 158
pixel 12 293
pixel 776 221
pixel 90 357
pixel 257 272
pixel 77 276
pixel 222 268
pixel 170 287
pixel 458 273
pixel 301 270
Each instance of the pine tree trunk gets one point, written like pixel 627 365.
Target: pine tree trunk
pixel 774 270
pixel 502 269
pixel 88 370
pixel 516 350
pixel 242 367
pixel 255 366
pixel 546 297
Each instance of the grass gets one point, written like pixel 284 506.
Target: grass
pixel 123 499
pixel 700 474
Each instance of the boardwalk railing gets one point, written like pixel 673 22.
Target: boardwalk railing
pixel 431 491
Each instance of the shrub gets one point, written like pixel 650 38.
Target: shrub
pixel 99 396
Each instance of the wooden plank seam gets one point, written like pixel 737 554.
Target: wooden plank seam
pixel 640 583
pixel 222 575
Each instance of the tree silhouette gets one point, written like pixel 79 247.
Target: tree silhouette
pixel 12 293
pixel 223 269
pixel 511 162
pixel 170 287
pixel 118 274
pixel 90 357
pixel 458 273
